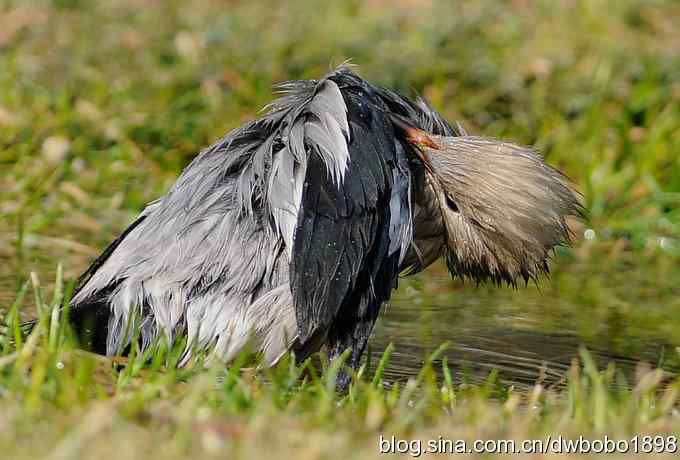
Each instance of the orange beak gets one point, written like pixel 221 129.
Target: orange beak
pixel 416 137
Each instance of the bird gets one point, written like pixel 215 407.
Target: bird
pixel 290 233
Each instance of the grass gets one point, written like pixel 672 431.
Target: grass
pixel 103 103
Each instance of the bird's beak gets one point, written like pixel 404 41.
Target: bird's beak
pixel 422 141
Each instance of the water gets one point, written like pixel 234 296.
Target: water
pixel 521 357
pixel 527 335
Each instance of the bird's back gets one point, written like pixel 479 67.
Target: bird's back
pixel 289 228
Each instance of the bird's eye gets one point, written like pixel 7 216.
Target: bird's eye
pixel 451 204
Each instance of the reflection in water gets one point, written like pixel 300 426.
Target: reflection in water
pixel 522 357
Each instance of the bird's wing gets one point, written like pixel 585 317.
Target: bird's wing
pixel 104 256
pixel 343 232
pixel 315 172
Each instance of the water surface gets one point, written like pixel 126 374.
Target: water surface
pixel 533 334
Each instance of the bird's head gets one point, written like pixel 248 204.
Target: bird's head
pixel 503 208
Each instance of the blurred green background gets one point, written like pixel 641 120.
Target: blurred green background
pixel 103 102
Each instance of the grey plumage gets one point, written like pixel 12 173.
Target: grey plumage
pixel 291 231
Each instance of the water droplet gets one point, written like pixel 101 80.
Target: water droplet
pixel 589 234
pixel 60 365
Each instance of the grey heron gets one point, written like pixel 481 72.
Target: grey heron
pixel 291 232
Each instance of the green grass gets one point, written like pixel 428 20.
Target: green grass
pixel 103 103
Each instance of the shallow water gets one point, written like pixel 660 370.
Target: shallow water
pixel 522 357
pixel 530 335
